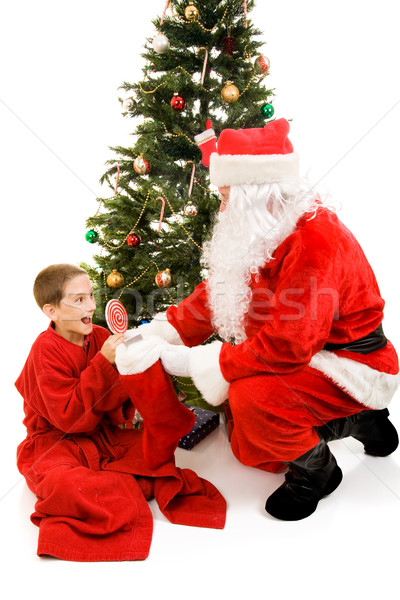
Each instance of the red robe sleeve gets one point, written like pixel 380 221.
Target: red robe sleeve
pixel 192 317
pixel 296 311
pixel 76 402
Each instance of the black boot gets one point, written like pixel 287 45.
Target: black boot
pixel 310 477
pixel 370 427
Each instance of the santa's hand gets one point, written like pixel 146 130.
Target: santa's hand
pixel 175 360
pixel 139 356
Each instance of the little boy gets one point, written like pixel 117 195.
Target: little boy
pixel 91 476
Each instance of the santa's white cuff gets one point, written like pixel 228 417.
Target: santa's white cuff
pixel 160 327
pixel 206 373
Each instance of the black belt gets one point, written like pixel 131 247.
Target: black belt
pixel 371 342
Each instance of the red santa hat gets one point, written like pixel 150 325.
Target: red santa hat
pixel 256 155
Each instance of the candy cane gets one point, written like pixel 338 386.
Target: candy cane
pixel 191 177
pixel 165 10
pixel 204 64
pixel 117 181
pixel 245 13
pixel 162 212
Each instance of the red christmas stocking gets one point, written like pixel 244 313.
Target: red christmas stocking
pixel 188 499
pixel 165 419
pixel 207 142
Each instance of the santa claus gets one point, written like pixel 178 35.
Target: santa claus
pixel 302 358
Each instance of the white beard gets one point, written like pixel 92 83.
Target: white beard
pixel 255 222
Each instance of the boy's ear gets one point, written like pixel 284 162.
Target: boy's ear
pixel 50 311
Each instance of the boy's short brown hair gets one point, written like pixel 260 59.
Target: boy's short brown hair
pixel 50 283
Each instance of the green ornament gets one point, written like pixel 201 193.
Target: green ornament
pixel 92 236
pixel 267 111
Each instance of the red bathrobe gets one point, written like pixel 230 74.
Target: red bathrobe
pixel 319 288
pixel 91 477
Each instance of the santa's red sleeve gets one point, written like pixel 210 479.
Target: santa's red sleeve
pixel 75 402
pixel 192 317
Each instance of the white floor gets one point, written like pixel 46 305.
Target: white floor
pixel 348 548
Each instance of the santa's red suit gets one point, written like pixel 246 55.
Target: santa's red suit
pixel 292 287
pixel 319 289
pixel 305 360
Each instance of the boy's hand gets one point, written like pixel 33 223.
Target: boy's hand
pixel 110 345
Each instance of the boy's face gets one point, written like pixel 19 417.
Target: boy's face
pixel 73 316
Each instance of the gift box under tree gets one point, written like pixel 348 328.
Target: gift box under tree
pixel 206 422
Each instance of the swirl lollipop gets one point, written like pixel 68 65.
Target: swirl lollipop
pixel 116 316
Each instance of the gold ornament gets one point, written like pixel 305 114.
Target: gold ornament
pixel 191 12
pixel 230 93
pixel 164 279
pixel 115 279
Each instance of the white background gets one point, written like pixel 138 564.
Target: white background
pixel 335 67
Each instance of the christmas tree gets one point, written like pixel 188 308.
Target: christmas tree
pixel 203 66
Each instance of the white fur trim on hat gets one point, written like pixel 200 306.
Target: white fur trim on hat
pixel 239 169
pixel 369 386
pixel 205 371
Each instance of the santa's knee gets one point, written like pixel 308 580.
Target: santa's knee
pixel 259 391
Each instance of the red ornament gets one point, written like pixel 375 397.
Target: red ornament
pixel 133 240
pixel 229 44
pixel 141 165
pixel 177 102
pixel 164 279
pixel 262 64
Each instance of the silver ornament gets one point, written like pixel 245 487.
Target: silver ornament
pixel 128 104
pixel 161 43
pixel 190 209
